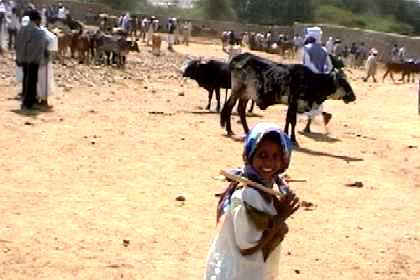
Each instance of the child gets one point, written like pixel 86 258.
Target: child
pixel 371 66
pixel 252 222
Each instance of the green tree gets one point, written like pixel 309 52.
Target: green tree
pixel 217 9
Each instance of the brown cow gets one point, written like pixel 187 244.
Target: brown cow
pixel 407 70
pixel 116 45
pixel 64 43
pixel 81 45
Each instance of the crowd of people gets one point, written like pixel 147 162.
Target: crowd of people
pixel 177 32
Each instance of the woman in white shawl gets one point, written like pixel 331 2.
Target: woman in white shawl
pixel 251 222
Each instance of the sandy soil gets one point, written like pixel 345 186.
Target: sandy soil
pixel 107 164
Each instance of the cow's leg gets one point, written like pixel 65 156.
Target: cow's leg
pixel 385 75
pixel 307 128
pixel 218 99
pixel 251 109
pixel 392 76
pixel 292 118
pixel 242 114
pixel 226 114
pixel 210 98
pixel 87 57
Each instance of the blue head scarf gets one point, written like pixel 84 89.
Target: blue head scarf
pixel 254 138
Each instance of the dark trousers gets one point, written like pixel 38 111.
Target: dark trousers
pixel 12 38
pixel 1 28
pixel 30 80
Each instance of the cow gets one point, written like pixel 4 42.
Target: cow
pixel 118 46
pixel 269 83
pixel 82 45
pixel 211 75
pixel 406 69
pixel 64 43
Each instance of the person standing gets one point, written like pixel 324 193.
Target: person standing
pixel 144 27
pixel 150 30
pixel 317 59
pixel 186 30
pixel 61 13
pixel 338 48
pixel 31 46
pixel 330 45
pixel 402 55
pixel 46 84
pixel 12 27
pixel 353 53
pixel 251 222
pixel 371 66
pixel 2 21
pixel 394 54
pixel 171 33
pixel 362 54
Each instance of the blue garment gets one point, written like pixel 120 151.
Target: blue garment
pixel 317 55
pixel 256 134
pixel 252 141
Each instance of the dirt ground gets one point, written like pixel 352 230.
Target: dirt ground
pixel 88 191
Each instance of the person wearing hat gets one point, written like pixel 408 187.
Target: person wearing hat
pixel 329 45
pixel 171 33
pixel 338 49
pixel 371 65
pixel 31 47
pixel 252 221
pixel 317 59
pixel 150 30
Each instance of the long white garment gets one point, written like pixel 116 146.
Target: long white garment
pixel 46 84
pixel 236 230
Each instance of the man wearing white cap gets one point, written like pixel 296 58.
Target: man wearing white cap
pixel 371 65
pixel 316 58
pixel 46 85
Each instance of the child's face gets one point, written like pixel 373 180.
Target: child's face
pixel 268 159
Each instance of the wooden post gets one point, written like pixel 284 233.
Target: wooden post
pixel 418 105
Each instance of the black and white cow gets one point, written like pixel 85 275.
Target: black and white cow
pixel 211 75
pixel 269 83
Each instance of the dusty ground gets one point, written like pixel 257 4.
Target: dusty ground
pixel 107 164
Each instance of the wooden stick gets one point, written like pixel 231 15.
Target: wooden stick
pixel 248 183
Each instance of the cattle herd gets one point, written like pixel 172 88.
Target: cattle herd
pixel 93 45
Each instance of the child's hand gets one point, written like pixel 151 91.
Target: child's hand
pixel 286 207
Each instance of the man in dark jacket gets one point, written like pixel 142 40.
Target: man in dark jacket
pixel 31 50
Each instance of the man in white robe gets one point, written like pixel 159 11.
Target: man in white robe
pixel 46 84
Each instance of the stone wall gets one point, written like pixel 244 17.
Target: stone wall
pixel 79 10
pixel 383 42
